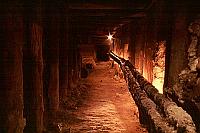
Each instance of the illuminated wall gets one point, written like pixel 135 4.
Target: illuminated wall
pixel 159 66
pixel 141 47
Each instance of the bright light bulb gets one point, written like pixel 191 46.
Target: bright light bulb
pixel 110 36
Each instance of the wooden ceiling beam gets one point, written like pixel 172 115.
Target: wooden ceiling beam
pixel 94 17
pixel 104 12
pixel 111 4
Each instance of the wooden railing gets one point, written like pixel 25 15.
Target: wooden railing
pixel 158 113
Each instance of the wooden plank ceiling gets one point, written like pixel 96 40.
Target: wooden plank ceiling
pixel 98 17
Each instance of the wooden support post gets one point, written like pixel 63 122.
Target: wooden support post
pixel 64 55
pixel 52 53
pixel 11 73
pixel 33 70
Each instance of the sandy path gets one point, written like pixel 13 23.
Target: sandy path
pixel 109 107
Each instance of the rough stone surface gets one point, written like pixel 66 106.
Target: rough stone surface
pixel 186 91
pixel 175 116
pixel 148 112
pixel 109 106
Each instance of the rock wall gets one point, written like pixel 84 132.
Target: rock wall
pixel 180 84
pixel 186 91
pixel 159 66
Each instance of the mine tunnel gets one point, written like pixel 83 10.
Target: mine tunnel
pixel 77 66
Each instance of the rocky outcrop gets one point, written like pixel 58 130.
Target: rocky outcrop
pixel 186 91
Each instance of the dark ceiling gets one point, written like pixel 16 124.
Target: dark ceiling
pixel 99 17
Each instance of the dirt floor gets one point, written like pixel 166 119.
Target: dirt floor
pixel 108 108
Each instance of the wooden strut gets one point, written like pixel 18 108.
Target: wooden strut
pixel 157 112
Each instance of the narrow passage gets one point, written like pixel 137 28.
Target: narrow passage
pixel 109 107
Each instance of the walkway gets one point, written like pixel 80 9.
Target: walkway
pixel 109 107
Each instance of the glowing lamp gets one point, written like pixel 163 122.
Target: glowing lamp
pixel 110 37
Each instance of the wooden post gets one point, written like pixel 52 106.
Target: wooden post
pixel 11 74
pixel 52 53
pixel 33 70
pixel 63 59
pixel 179 44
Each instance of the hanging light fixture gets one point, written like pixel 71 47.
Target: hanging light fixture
pixel 110 37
